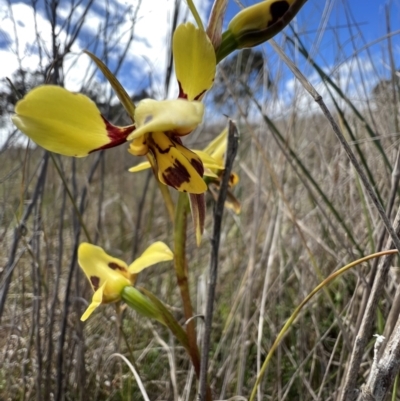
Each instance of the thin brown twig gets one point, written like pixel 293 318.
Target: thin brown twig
pixel 233 140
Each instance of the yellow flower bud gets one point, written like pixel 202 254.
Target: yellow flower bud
pixel 257 24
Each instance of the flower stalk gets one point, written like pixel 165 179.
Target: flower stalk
pixel 182 277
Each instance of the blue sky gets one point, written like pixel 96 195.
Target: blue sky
pixel 368 15
pixel 323 27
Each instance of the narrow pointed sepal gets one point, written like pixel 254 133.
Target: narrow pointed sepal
pixel 119 90
pixel 195 61
pixel 214 28
pixel 198 208
pixel 64 122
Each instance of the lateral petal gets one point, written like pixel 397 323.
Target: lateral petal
pixel 140 167
pixel 209 161
pixel 178 116
pixel 217 147
pixel 65 122
pixel 155 253
pixel 195 61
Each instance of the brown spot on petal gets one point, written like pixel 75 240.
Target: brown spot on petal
pixel 278 9
pixel 200 94
pixel 176 175
pixel 95 282
pixel 160 149
pixel 182 94
pixel 116 266
pixel 198 166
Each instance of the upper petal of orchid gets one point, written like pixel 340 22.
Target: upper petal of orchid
pixel 177 166
pixel 65 122
pixel 195 61
pixel 177 116
pixel 97 300
pixel 104 271
pixel 155 253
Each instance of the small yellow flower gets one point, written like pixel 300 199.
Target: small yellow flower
pixel 71 124
pixel 109 276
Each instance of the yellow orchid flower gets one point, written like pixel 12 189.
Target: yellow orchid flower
pixel 109 276
pixel 72 125
pixel 212 157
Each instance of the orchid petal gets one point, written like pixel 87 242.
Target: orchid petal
pixel 155 253
pixel 97 300
pixel 217 147
pixel 65 122
pixel 177 166
pixel 177 116
pixel 209 161
pixel 209 173
pixel 195 61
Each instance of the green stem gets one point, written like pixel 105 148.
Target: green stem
pixel 181 275
pixel 183 282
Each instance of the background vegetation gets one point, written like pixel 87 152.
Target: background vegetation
pixel 304 215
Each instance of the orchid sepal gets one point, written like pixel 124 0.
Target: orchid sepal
pixel 195 61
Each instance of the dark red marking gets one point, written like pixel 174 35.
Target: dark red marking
pixel 198 166
pixel 116 266
pixel 117 135
pixel 278 10
pixel 200 95
pixel 95 282
pixel 182 94
pixel 176 175
pixel 161 150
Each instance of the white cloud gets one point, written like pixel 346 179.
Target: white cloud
pixel 147 54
